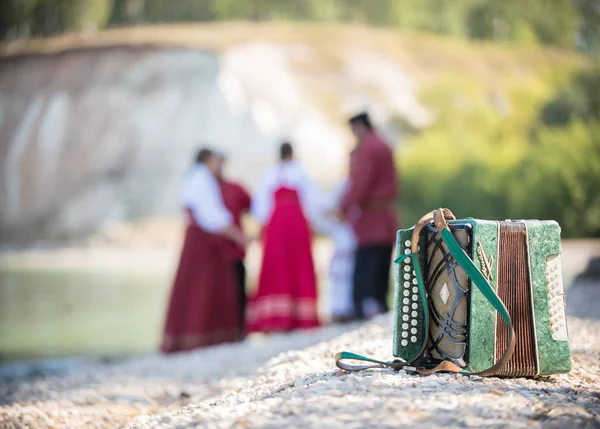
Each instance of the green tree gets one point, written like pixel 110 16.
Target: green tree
pixel 89 14
pixel 16 19
pixel 127 12
pixel 554 22
pixel 579 101
pixel 589 25
pixel 231 9
pixel 46 17
pixel 51 17
pixel 562 175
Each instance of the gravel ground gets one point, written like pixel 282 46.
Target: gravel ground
pixel 302 389
pixel 291 381
pixel 98 395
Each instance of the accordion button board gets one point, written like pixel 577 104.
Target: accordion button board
pixel 410 306
pixel 410 330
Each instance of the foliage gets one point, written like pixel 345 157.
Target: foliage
pixel 552 22
pixel 45 17
pixel 482 162
pixel 588 12
pixel 565 174
pixel 579 101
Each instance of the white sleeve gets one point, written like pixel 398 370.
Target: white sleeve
pixel 313 202
pixel 262 202
pixel 321 222
pixel 206 201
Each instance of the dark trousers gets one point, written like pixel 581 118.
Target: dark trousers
pixel 371 276
pixel 240 276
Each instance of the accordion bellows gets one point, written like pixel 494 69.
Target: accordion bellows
pixel 521 261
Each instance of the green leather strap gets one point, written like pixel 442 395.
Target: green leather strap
pixel 340 357
pixel 476 278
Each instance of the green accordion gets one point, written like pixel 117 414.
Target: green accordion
pixel 479 297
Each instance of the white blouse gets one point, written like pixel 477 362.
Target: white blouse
pixel 291 175
pixel 202 195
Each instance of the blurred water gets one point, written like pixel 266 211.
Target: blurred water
pixel 105 302
pixel 60 312
pixel 113 302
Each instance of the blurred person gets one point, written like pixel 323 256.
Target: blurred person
pixel 369 204
pixel 341 267
pixel 237 201
pixel 287 290
pixel 204 304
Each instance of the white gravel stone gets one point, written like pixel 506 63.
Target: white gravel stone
pixel 291 381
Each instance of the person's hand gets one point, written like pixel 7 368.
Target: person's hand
pixel 244 240
pixel 250 239
pixel 335 214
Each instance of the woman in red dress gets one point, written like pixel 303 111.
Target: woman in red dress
pixel 204 304
pixel 287 291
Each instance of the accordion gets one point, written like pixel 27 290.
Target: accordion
pixel 478 297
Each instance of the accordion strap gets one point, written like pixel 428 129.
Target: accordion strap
pixel 438 217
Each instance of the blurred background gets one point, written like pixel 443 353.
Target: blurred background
pixel 493 110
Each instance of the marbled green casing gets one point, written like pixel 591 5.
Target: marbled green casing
pixel 552 344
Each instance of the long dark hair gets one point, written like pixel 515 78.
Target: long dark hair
pixel 202 155
pixel 286 151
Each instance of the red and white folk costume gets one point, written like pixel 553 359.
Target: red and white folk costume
pixel 287 291
pixel 204 303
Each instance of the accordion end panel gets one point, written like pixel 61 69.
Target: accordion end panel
pixel 554 352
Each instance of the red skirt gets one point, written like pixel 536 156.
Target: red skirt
pixel 287 291
pixel 203 308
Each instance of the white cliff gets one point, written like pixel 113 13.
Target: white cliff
pixel 97 135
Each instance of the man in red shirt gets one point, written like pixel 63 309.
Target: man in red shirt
pixel 370 206
pixel 237 201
